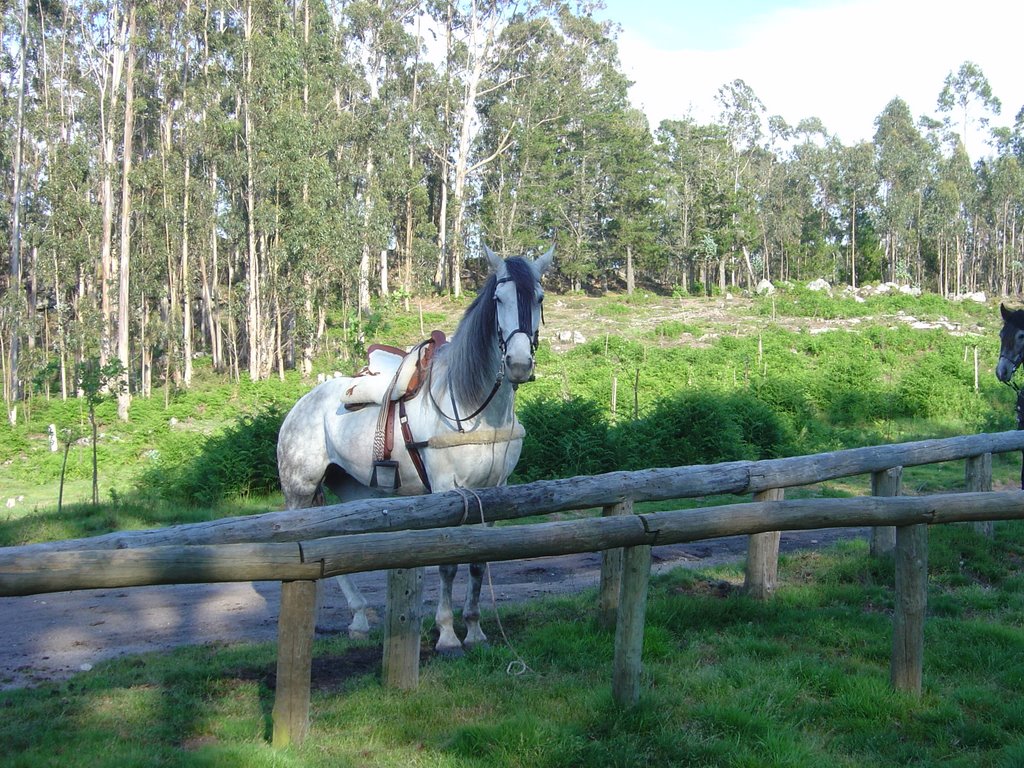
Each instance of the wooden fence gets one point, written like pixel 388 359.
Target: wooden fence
pixel 401 535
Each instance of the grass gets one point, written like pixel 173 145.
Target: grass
pixel 801 680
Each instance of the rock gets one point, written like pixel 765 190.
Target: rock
pixel 819 285
pixel 764 288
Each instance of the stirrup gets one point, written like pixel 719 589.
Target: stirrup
pixel 388 476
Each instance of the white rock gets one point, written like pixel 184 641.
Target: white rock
pixel 764 288
pixel 819 285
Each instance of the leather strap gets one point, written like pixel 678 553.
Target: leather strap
pixel 413 447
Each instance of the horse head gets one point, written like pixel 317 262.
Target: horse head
pixel 518 300
pixel 1011 343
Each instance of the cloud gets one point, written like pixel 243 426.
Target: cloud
pixel 842 63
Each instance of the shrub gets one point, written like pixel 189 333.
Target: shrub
pixel 692 428
pixel 564 438
pixel 238 461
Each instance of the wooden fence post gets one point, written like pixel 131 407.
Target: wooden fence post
pixel 629 630
pixel 295 627
pixel 762 575
pixel 911 603
pixel 885 483
pixel 978 477
pixel 611 572
pixel 402 628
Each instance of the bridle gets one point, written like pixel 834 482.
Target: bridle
pixel 525 318
pixel 1014 360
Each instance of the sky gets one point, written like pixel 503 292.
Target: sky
pixel 839 60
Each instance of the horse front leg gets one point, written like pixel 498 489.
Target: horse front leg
pixel 448 643
pixel 471 611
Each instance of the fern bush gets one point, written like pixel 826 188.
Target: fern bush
pixel 702 428
pixel 564 438
pixel 202 470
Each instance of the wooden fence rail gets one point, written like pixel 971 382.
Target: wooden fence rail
pixel 547 496
pixel 53 571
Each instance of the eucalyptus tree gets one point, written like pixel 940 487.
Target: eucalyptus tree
pixel 12 383
pixel 565 151
pixel 635 211
pixel 476 66
pixel 968 92
pixel 743 116
pixel 1002 191
pixel 519 183
pixel 598 147
pixel 694 161
pixel 900 157
pixel 858 182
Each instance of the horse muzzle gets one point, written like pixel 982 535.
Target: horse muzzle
pixel 518 371
pixel 1005 369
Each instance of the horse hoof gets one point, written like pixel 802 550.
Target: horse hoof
pixel 470 645
pixel 360 627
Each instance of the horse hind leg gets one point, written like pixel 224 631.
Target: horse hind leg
pixel 448 643
pixel 300 498
pixel 360 625
pixel 471 611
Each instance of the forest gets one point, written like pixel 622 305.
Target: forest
pixel 229 179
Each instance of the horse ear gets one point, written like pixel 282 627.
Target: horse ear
pixel 493 259
pixel 543 262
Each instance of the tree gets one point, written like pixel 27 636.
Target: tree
pixel 968 90
pixel 858 183
pixel 900 162
pixel 97 381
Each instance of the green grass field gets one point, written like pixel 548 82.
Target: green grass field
pixel 799 681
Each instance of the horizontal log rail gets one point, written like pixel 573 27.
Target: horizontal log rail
pixel 545 496
pixel 50 571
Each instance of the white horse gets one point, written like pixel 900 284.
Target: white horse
pixel 461 427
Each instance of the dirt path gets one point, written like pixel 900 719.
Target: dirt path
pixel 52 637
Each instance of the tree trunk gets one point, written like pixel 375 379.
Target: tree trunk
pixel 630 277
pixel 12 386
pixel 364 257
pixel 124 396
pixel 109 86
pixel 186 278
pixel 253 298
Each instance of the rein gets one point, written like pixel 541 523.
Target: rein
pixel 455 408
